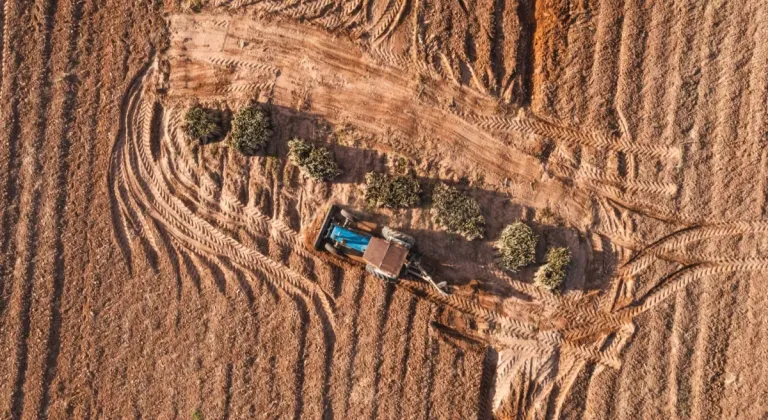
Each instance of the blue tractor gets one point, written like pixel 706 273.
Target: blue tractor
pixel 388 256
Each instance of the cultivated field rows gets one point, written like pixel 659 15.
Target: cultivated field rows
pixel 142 276
pixel 245 41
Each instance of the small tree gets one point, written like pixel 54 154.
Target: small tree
pixel 315 161
pixel 517 246
pixel 552 274
pixel 457 213
pixel 202 125
pixel 251 130
pixel 393 191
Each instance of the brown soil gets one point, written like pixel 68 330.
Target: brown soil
pixel 141 276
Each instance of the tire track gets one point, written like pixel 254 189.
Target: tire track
pixel 411 403
pixel 729 347
pixel 406 346
pixel 684 90
pixel 300 373
pixel 700 372
pixel 667 246
pixel 679 357
pixel 551 18
pixel 654 368
pixel 592 139
pixel 431 354
pixel 757 341
pixel 685 276
pixel 198 228
pixel 565 387
pixel 654 90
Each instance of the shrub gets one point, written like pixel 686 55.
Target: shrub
pixel 517 246
pixel 457 213
pixel 202 125
pixel 552 274
pixel 393 191
pixel 315 161
pixel 251 130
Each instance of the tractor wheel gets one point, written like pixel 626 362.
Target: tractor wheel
pixel 376 273
pixel 332 249
pixel 347 215
pixel 394 235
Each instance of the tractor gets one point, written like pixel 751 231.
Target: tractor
pixel 389 255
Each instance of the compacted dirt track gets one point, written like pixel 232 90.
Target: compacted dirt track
pixel 142 276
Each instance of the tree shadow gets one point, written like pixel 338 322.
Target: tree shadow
pixel 451 257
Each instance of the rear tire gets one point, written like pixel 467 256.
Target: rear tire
pixel 394 235
pixel 347 215
pixel 332 249
pixel 370 269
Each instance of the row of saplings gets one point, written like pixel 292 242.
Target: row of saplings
pixel 251 131
pixel 453 210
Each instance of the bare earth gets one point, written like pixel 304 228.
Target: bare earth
pixel 144 277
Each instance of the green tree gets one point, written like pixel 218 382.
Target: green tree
pixel 315 161
pixel 457 213
pixel 517 246
pixel 393 191
pixel 202 125
pixel 251 130
pixel 552 274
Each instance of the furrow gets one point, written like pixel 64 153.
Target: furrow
pixel 697 192
pixel 733 162
pixel 73 15
pixel 29 291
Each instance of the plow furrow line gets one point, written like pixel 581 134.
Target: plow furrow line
pixel 224 61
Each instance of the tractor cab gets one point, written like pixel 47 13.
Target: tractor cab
pixel 387 257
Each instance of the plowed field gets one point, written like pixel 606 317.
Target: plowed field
pixel 143 276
